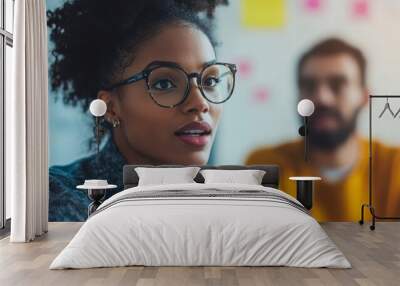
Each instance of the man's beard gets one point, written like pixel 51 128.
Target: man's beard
pixel 330 140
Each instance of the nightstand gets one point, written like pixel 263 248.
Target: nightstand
pixel 96 191
pixel 305 188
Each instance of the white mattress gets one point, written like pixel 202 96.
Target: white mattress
pixel 189 231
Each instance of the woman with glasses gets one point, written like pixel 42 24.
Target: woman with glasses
pixel 154 64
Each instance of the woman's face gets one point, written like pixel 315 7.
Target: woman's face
pixel 149 133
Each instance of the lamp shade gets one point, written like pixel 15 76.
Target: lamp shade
pixel 305 107
pixel 98 107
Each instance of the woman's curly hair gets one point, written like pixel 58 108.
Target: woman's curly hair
pixel 94 40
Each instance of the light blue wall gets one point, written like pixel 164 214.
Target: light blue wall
pixel 274 55
pixel 69 128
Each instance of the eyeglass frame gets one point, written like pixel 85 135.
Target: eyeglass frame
pixel 146 72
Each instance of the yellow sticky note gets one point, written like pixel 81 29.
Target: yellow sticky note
pixel 263 13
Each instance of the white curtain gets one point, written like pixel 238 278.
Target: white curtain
pixel 26 124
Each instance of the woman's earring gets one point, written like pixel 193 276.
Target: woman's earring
pixel 116 123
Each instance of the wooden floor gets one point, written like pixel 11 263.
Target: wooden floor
pixel 375 257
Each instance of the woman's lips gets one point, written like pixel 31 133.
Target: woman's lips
pixel 195 133
pixel 199 141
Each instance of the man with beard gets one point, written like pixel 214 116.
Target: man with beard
pixel 333 75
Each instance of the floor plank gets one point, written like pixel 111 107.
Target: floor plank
pixel 375 257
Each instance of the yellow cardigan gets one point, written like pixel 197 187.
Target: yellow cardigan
pixel 340 201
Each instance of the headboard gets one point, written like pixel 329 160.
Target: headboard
pixel 270 179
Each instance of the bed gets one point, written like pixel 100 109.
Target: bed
pixel 201 224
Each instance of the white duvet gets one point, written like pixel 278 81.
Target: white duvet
pixel 188 231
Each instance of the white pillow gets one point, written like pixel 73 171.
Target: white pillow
pixel 162 176
pixel 248 177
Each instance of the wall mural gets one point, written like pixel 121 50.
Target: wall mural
pixel 224 90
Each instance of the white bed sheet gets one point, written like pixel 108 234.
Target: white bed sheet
pixel 200 231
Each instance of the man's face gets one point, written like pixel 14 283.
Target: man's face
pixel 334 84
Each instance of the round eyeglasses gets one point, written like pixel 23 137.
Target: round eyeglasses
pixel 168 84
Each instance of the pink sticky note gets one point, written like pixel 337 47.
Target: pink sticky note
pixel 312 5
pixel 244 68
pixel 260 95
pixel 360 8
